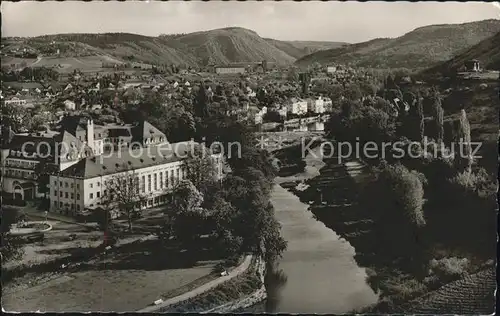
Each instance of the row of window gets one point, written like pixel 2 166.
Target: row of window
pixel 66 206
pixel 66 184
pixel 67 195
pixel 19 174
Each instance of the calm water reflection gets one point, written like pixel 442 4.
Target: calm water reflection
pixel 318 267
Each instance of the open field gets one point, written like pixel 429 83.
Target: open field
pixel 128 278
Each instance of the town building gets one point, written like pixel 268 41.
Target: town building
pixel 154 172
pixel 331 69
pixel 328 104
pixel 472 65
pixel 297 106
pixel 15 101
pixel 23 152
pixel 230 69
pixel 316 105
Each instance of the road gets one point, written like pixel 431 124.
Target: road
pixel 202 289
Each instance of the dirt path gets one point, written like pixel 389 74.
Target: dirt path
pixel 202 289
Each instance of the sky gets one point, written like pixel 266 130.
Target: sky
pixel 328 21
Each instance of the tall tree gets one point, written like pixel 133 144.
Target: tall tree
pixel 123 192
pixel 201 102
pixel 438 117
pixel 200 167
pixel 463 154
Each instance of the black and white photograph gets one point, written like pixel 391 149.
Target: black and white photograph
pixel 314 157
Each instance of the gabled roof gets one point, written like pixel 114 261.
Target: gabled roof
pixel 128 159
pixel 145 130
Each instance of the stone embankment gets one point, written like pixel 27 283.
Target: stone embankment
pixel 258 296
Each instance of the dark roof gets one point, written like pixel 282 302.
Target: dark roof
pixel 144 130
pixel 474 294
pixel 43 145
pixel 127 159
pixel 72 123
pixel 119 131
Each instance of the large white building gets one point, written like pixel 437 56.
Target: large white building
pixel 154 171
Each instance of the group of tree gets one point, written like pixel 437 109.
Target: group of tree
pixel 441 183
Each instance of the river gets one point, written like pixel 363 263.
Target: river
pixel 319 273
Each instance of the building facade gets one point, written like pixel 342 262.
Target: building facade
pixel 316 105
pixel 230 70
pixel 297 107
pixel 153 172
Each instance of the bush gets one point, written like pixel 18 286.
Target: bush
pixel 448 268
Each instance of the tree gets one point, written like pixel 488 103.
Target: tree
pixel 438 117
pixel 186 219
pixel 43 172
pixel 415 123
pixel 395 201
pixel 123 192
pixel 201 102
pixel 200 167
pixel 463 155
pixel 12 247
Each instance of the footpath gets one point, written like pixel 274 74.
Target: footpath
pixel 202 289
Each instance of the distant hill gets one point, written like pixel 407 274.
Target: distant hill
pixel 419 48
pixel 219 46
pixel 298 49
pixel 487 52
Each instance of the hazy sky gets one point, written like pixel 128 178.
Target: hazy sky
pixel 331 21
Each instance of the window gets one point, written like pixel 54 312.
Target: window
pixel 166 179
pixel 91 185
pixel 78 196
pixel 149 183
pixel 91 195
pixel 60 183
pixel 72 207
pixel 65 184
pixel 161 180
pixel 72 185
pixel 55 192
pixel 78 208
pixel 143 184
pixel 104 193
pixel 66 194
pixel 155 182
pixel 98 194
pixel 60 193
pixel 61 204
pixel 72 195
pixel 178 175
pixel 98 184
pixel 77 186
pixel 55 183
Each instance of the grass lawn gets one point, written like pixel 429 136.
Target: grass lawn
pixel 129 279
pixel 105 290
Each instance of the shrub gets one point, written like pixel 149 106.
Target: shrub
pixel 448 268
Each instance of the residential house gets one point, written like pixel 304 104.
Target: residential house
pixel 297 106
pixel 69 105
pixel 316 105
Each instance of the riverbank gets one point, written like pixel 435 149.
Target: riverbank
pixel 237 291
pixel 332 197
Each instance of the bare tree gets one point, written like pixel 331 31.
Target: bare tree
pixel 122 191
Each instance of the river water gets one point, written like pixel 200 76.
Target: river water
pixel 318 270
